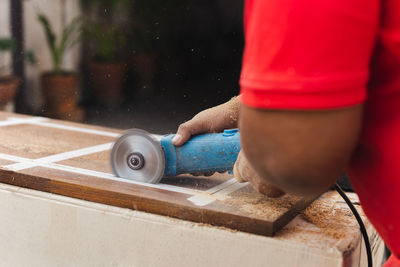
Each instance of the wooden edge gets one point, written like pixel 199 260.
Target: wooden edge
pixel 286 217
pixel 4 115
pixel 141 203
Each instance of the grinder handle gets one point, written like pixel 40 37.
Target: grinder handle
pixel 216 152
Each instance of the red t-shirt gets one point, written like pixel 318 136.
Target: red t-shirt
pixel 321 54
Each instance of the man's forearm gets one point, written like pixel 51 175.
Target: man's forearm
pixel 300 152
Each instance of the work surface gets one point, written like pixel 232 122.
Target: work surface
pixel 73 160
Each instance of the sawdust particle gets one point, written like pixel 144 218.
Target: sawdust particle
pixel 330 219
pixel 258 205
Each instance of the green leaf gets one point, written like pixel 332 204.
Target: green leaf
pixel 108 41
pixel 70 36
pixel 71 33
pixel 50 37
pixel 30 57
pixel 7 44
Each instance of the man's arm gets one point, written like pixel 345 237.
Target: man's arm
pixel 301 152
pixel 312 56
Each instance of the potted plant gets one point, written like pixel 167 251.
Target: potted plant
pixel 153 36
pixel 9 83
pixel 107 72
pixel 107 39
pixel 60 86
pixel 143 61
pixel 146 39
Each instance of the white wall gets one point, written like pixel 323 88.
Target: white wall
pixel 5 59
pixel 4 18
pixel 35 39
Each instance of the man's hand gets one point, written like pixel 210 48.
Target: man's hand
pixel 212 120
pixel 245 173
pixel 217 119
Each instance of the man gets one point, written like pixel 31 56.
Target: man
pixel 320 93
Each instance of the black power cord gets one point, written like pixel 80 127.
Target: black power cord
pixel 360 222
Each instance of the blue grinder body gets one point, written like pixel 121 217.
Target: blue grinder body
pixel 216 152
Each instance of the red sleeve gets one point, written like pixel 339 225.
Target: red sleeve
pixel 392 262
pixel 310 54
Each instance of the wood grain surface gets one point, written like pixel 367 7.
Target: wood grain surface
pixel 73 160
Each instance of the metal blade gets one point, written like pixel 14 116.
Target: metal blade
pixel 138 156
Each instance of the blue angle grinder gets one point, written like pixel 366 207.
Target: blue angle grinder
pixel 143 157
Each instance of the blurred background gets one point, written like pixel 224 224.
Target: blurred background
pixel 148 64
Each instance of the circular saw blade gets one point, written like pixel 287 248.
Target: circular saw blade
pixel 137 156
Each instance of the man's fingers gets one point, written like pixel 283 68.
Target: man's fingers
pixel 236 172
pixel 269 190
pixel 192 127
pixel 244 173
pixel 182 135
pixel 215 119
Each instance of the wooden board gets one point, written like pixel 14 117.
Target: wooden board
pixel 73 160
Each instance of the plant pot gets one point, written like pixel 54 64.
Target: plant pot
pixel 60 94
pixel 144 67
pixel 106 80
pixel 8 89
pixel 76 114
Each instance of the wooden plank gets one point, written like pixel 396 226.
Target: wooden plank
pixel 93 162
pixel 32 141
pixel 73 160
